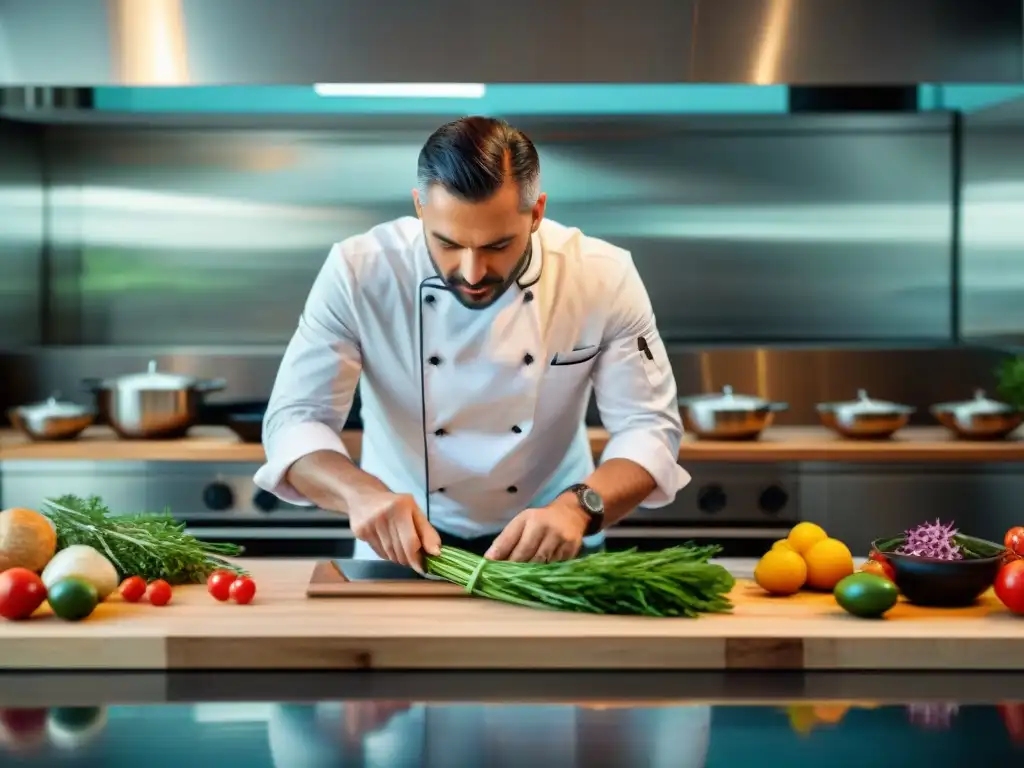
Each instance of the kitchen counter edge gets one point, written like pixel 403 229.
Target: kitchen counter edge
pixel 912 444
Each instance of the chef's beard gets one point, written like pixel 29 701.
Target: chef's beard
pixel 500 286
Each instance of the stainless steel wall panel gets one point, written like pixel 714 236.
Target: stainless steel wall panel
pixel 992 226
pixel 21 233
pixel 749 230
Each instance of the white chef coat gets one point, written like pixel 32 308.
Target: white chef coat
pixel 479 414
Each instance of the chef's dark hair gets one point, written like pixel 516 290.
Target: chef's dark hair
pixel 471 158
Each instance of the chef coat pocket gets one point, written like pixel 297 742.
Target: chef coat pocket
pixel 577 356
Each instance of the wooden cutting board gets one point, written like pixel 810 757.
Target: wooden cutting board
pixel 328 581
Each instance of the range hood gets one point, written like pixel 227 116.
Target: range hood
pixel 247 42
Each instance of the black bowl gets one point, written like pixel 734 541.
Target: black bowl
pixel 943 583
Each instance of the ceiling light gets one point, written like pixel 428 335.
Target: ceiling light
pixel 404 90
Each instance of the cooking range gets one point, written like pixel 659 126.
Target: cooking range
pixel 743 507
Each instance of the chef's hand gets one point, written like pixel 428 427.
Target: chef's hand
pixel 393 525
pixel 545 535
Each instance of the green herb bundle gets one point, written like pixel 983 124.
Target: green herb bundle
pixel 147 545
pixel 679 581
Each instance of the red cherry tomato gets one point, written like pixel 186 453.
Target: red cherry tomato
pixel 21 592
pixel 219 584
pixel 133 588
pixel 1009 586
pixel 159 592
pixel 243 590
pixel 1014 540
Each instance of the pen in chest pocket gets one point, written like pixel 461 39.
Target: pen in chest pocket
pixel 641 344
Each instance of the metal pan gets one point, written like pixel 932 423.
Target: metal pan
pixel 865 418
pixel 979 418
pixel 728 416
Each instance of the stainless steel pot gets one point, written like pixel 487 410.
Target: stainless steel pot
pixel 979 418
pixel 728 416
pixel 864 418
pixel 52 419
pixel 153 404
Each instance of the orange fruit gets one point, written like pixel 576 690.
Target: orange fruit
pixel 804 536
pixel 828 562
pixel 780 572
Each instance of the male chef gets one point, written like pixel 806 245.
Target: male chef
pixel 476 332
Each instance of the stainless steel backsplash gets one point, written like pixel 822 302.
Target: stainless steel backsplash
pixel 22 217
pixel 992 237
pixel 766 229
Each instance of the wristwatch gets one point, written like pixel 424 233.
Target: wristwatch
pixel 592 504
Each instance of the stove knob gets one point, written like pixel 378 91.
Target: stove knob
pixel 264 501
pixel 773 500
pixel 218 497
pixel 711 499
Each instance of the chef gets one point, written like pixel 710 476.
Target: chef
pixel 476 332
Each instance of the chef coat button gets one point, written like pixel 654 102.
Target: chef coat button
pixel 512 489
pixel 440 432
pixel 527 297
pixel 439 490
pixel 434 360
pixel 429 298
pixel 527 359
pixel 517 429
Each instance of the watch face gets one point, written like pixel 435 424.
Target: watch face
pixel 593 502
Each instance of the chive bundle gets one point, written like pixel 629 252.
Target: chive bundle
pixel 678 581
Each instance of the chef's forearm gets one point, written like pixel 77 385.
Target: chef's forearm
pixel 332 481
pixel 623 485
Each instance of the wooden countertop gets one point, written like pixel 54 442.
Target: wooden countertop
pixel 911 444
pixel 284 630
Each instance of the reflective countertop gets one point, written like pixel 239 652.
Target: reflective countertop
pixel 480 719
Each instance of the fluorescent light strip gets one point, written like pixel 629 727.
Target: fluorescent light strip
pixel 404 90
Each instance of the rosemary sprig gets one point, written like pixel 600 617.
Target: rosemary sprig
pixel 153 546
pixel 678 581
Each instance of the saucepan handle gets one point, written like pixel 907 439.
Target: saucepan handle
pixel 211 385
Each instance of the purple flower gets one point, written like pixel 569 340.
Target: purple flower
pixel 933 540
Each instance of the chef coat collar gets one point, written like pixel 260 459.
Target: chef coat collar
pixel 528 277
pixel 531 272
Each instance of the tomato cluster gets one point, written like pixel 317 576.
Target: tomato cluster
pixel 1009 585
pixel 225 585
pixel 134 587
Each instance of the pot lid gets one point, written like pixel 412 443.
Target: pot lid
pixel 726 401
pixel 154 379
pixel 52 407
pixel 865 405
pixel 979 405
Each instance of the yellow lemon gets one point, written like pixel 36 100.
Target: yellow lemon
pixel 804 536
pixel 783 544
pixel 828 562
pixel 780 572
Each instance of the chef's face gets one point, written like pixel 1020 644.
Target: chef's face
pixel 478 248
